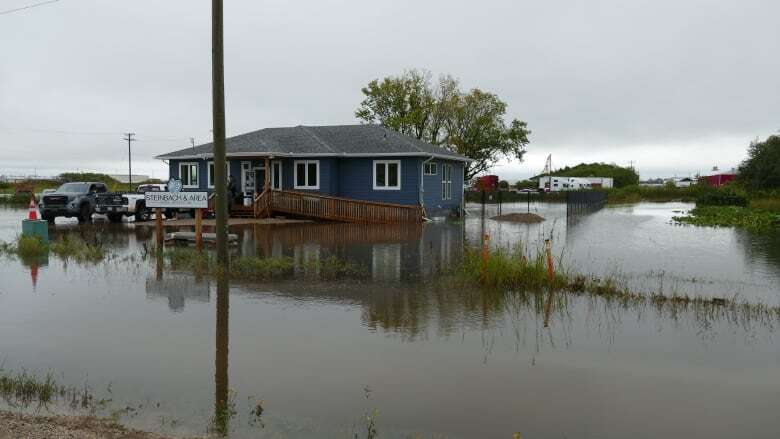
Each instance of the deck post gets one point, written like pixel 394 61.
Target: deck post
pixel 159 227
pixel 267 175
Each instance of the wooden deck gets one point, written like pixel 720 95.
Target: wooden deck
pixel 334 208
pixel 308 205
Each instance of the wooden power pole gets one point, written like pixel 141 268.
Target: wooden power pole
pixel 129 138
pixel 218 104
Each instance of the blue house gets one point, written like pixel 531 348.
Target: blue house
pixel 367 163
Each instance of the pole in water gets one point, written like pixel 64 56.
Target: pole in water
pixel 485 254
pixel 158 227
pixel 199 229
pixel 551 276
pixel 218 109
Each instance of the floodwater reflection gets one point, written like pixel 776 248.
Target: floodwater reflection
pixel 223 409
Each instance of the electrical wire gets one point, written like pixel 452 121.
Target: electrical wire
pixel 24 8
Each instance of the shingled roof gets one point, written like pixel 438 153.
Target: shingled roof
pixel 325 141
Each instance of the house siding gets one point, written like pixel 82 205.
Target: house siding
pixel 435 205
pixel 356 180
pixel 353 178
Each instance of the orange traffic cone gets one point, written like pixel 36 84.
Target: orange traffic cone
pixel 33 215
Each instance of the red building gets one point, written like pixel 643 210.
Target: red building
pixel 487 183
pixel 718 179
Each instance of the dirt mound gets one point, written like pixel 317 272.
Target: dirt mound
pixel 525 218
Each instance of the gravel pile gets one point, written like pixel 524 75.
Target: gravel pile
pixel 17 426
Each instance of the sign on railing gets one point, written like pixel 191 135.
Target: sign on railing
pixel 180 200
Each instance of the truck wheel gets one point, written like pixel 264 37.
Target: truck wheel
pixel 84 213
pixel 115 218
pixel 141 212
pixel 47 217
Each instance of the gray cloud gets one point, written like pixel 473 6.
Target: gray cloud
pixel 676 86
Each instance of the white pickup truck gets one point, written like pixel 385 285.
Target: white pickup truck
pixel 116 205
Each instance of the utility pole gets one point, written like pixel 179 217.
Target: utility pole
pixel 218 104
pixel 130 140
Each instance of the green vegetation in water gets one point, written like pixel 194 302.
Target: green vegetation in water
pixel 731 216
pixel 70 247
pixel 515 274
pixel 636 194
pixel 258 268
pixel 26 247
pixel 22 389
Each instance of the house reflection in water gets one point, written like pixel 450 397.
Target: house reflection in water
pixel 388 252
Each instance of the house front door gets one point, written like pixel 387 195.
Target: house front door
pixel 247 179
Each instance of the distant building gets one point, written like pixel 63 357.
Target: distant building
pixel 122 178
pixel 719 179
pixel 683 182
pixel 553 183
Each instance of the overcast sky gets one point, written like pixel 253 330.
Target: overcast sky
pixel 674 86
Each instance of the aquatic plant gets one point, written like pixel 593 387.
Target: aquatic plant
pixel 68 246
pixel 730 216
pixel 259 268
pixel 509 269
pixel 510 273
pixel 26 247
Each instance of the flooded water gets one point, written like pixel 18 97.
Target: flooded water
pixel 420 357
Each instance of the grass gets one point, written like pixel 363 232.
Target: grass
pixel 258 268
pixel 513 273
pixel 26 247
pixel 68 247
pixel 731 216
pixel 636 194
pixel 22 389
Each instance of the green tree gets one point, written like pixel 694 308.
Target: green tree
pixel 503 185
pixel 761 170
pixel 472 124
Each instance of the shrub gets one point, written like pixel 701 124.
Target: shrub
pixel 722 198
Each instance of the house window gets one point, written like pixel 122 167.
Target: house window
pixel 430 169
pixel 446 182
pixel 188 174
pixel 387 174
pixel 210 173
pixel 307 174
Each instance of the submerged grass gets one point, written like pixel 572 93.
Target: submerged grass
pixel 27 247
pixel 258 268
pixel 731 216
pixel 512 272
pixel 67 247
pixel 22 389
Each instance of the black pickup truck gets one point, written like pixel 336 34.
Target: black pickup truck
pixel 76 199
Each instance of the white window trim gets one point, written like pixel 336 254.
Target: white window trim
pixel 210 178
pixel 197 175
pixel 435 168
pixel 295 174
pixel 387 175
pixel 446 185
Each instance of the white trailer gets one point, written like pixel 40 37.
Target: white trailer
pixel 554 183
pixel 559 184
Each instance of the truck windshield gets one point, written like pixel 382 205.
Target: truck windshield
pixel 74 188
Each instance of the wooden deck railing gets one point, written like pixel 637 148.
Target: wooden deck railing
pixel 261 204
pixel 335 208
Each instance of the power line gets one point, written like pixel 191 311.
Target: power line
pixel 35 5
